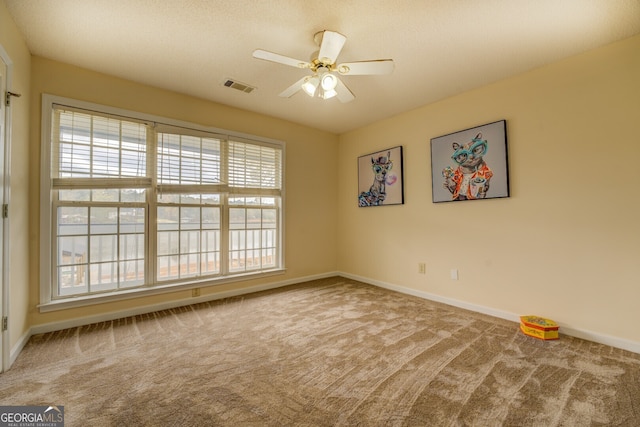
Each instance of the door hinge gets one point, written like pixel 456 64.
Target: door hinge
pixel 5 211
pixel 5 323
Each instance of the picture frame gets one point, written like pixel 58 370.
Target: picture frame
pixel 380 178
pixel 470 164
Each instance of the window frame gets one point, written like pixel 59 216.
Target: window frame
pixel 48 208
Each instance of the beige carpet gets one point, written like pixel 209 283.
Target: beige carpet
pixel 331 352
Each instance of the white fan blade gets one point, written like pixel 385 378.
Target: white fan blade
pixel 280 59
pixel 379 66
pixel 291 90
pixel 343 92
pixel 331 46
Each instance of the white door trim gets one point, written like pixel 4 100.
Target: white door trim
pixel 5 163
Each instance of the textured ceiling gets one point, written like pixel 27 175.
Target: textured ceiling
pixel 440 47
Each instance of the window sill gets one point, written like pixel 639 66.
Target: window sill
pixel 88 300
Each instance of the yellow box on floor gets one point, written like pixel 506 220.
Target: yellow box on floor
pixel 539 327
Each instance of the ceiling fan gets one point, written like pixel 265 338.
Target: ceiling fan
pixel 324 82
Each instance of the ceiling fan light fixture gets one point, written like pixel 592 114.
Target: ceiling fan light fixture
pixel 326 94
pixel 323 83
pixel 328 81
pixel 310 86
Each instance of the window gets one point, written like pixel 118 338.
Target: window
pixel 136 203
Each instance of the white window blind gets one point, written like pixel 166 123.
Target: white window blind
pixel 254 166
pixel 188 159
pixel 137 203
pixel 87 145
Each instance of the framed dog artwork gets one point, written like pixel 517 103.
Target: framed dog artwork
pixel 470 164
pixel 380 180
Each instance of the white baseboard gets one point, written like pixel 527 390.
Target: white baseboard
pixel 612 341
pixel 87 320
pixel 17 348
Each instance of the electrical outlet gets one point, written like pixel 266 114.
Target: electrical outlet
pixel 422 268
pixel 454 274
pixel 195 292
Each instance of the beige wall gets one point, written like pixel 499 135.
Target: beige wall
pixel 18 255
pixel 310 210
pixel 565 245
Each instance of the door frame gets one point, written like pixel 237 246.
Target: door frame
pixel 5 163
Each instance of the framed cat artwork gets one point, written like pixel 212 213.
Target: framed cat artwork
pixel 380 180
pixel 470 164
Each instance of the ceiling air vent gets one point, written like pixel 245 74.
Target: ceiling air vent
pixel 234 84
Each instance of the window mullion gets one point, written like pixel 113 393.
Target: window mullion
pixel 53 267
pixel 224 208
pixel 151 232
pixel 91 148
pixel 224 234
